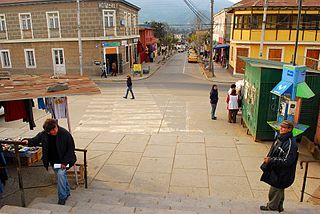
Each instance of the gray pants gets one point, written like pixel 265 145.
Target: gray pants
pixel 276 198
pixel 213 110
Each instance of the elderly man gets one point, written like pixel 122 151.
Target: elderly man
pixel 58 151
pixel 279 167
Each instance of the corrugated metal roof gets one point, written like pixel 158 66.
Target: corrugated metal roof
pixel 21 87
pixel 276 3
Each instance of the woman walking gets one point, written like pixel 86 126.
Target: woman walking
pixel 233 106
pixel 214 100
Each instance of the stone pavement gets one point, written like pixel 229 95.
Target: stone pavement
pixel 222 75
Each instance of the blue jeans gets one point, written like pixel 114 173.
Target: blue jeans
pixel 129 88
pixel 63 184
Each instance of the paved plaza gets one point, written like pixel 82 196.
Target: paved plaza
pixel 164 141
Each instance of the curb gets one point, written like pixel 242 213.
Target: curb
pixel 210 79
pixel 160 64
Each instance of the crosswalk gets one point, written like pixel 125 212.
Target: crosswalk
pixel 149 113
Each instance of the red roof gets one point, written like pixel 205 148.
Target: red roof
pixel 277 3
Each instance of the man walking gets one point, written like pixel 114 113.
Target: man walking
pixel 59 151
pixel 279 167
pixel 129 87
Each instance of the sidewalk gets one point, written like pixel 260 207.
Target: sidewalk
pixel 222 75
pixel 154 66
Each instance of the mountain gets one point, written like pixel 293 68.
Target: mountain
pixel 175 12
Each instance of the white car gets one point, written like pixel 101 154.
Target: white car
pixel 1 111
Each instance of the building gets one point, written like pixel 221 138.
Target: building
pixel 221 28
pixel 221 36
pixel 280 33
pixel 41 37
pixel 148 47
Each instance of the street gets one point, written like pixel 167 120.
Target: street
pixel 164 141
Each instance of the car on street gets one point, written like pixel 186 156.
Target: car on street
pixel 1 111
pixel 193 57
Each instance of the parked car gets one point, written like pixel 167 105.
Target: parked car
pixel 1 111
pixel 193 57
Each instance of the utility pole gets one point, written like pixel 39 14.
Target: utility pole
pixel 79 38
pixel 211 65
pixel 297 35
pixel 265 7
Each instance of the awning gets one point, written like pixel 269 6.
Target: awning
pixel 304 91
pixel 221 46
pixel 281 88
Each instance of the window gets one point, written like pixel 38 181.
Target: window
pixel 30 58
pixel 109 18
pixel 256 21
pixel 126 23
pixel 53 20
pixel 271 22
pixel 2 23
pixel 311 22
pixel 25 21
pixel 129 24
pixel 283 22
pixel 5 59
pixel 134 24
pixel 127 53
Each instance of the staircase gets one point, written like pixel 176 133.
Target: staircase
pixel 96 201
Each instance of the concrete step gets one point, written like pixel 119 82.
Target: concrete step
pixel 83 198
pixel 21 210
pixel 55 208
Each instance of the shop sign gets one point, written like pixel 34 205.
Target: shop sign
pixel 124 42
pixel 136 40
pixel 111 44
pixel 106 5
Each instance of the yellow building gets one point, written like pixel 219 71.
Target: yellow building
pixel 280 33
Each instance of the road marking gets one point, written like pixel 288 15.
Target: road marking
pixel 184 66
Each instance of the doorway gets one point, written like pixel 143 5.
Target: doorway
pixel 240 64
pixel 59 66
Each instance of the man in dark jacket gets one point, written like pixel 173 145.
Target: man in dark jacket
pixel 279 167
pixel 129 87
pixel 58 150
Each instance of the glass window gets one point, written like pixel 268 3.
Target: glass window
pixel 271 22
pixel 256 22
pixel 109 18
pixel 283 21
pixel 129 23
pixel 5 59
pixel 127 53
pixel 25 21
pixel 30 58
pixel 2 23
pixel 311 22
pixel 53 20
pixel 134 24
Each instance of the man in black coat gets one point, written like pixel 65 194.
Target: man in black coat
pixel 58 150
pixel 279 167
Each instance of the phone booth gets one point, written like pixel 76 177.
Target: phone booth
pixel 290 90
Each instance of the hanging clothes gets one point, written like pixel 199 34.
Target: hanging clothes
pixel 14 110
pixel 41 104
pixel 57 106
pixel 29 113
pixel 3 171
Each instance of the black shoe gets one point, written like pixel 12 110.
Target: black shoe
pixel 62 201
pixel 67 196
pixel 132 98
pixel 266 208
pixel 125 97
pixel 214 118
pixel 280 210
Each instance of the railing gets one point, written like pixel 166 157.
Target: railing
pixel 305 176
pixel 18 167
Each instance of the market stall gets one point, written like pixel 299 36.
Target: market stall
pixel 17 94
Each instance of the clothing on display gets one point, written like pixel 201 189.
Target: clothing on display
pixel 3 171
pixel 57 106
pixel 41 104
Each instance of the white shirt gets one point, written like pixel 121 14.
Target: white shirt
pixel 233 102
